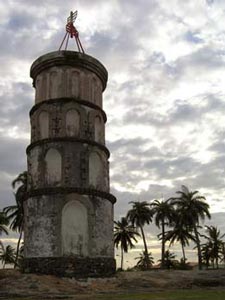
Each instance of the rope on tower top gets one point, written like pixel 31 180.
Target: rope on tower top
pixel 71 32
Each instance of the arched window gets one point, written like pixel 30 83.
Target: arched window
pixel 38 88
pixel 53 86
pixel 93 90
pixel 75 83
pixel 53 171
pixel 74 229
pixel 95 170
pixel 99 130
pixel 43 119
pixel 98 93
pixel 86 87
pixel 72 123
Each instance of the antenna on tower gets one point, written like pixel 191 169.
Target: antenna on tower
pixel 71 32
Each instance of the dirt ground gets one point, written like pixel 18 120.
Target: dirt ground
pixel 14 285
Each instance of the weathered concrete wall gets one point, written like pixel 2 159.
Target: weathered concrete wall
pixel 72 123
pixel 61 81
pixel 43 122
pixel 68 74
pixel 77 267
pixel 34 171
pixel 67 118
pixel 53 167
pixel 41 227
pixel 74 229
pixel 75 164
pixel 69 211
pixel 51 222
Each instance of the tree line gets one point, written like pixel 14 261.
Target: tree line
pixel 12 217
pixel 179 220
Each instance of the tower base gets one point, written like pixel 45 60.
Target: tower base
pixel 70 266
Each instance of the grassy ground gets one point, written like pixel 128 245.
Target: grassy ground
pixel 155 284
pixel 171 295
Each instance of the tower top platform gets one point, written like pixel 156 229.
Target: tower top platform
pixel 69 58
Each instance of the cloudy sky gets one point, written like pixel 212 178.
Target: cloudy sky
pixel 165 97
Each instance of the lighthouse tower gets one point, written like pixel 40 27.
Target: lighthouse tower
pixel 69 209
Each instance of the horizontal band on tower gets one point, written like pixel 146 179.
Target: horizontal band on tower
pixel 70 266
pixel 67 100
pixel 69 190
pixel 67 140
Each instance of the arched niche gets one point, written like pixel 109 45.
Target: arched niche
pixel 43 120
pixel 53 85
pixel 38 88
pixel 95 170
pixel 98 93
pixel 72 122
pixel 86 78
pixel 93 90
pixel 99 129
pixel 74 229
pixel 75 83
pixel 53 170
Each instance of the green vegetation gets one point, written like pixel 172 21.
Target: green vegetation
pixel 213 249
pixel 15 213
pixel 7 255
pixel 124 235
pixel 4 222
pixel 179 219
pixel 144 262
pixel 169 260
pixel 180 233
pixel 173 295
pixel 164 215
pixel 191 208
pixel 139 215
pixel 13 216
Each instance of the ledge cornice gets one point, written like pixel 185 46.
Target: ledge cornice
pixel 67 140
pixel 69 190
pixel 67 100
pixel 69 58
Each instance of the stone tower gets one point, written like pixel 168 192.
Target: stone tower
pixel 69 210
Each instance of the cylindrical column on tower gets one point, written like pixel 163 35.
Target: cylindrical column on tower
pixel 69 210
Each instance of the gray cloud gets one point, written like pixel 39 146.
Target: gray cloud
pixel 13 158
pixel 16 103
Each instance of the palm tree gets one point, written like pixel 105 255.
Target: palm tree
pixel 7 255
pixel 193 208
pixel 169 259
pixel 15 213
pixel 164 214
pixel 215 243
pixel 4 221
pixel 139 215
pixel 124 235
pixel 20 256
pixel 179 234
pixel 143 262
pixel 206 251
pixel 223 254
